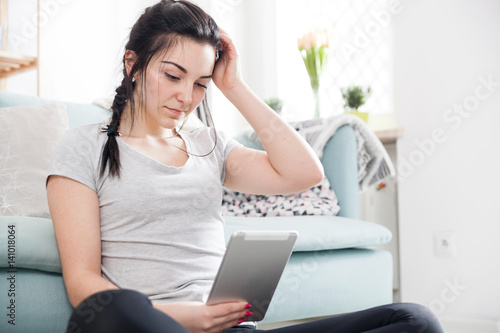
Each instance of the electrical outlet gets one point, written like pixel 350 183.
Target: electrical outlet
pixel 445 244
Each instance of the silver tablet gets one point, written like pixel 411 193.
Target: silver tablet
pixel 251 269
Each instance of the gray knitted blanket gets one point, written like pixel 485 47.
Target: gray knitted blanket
pixel 374 163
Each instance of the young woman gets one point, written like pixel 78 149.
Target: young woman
pixel 136 201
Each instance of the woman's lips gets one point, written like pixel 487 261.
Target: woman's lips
pixel 175 111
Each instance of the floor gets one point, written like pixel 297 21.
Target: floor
pixel 449 326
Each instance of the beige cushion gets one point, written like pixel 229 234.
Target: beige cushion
pixel 28 137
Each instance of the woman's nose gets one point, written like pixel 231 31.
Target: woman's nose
pixel 185 94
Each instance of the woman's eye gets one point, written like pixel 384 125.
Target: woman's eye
pixel 201 85
pixel 171 77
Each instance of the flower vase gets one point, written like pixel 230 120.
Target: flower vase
pixel 315 89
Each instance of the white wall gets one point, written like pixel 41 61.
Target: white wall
pixel 443 52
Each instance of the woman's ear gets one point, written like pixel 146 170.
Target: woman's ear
pixel 130 57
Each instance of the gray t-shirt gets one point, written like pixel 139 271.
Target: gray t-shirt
pixel 161 226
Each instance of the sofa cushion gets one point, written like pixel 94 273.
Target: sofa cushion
pixel 316 233
pixel 32 243
pixel 79 114
pixel 28 137
pixel 36 246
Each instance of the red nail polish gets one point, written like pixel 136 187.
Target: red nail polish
pixel 248 306
pixel 248 314
pixel 240 321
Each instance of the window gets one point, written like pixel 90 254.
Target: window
pixel 361 53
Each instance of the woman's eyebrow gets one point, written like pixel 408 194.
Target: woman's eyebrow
pixel 182 69
pixel 176 65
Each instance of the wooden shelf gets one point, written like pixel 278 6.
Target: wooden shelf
pixel 389 136
pixel 11 63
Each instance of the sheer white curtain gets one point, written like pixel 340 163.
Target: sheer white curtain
pixel 81 45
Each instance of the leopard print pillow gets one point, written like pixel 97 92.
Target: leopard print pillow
pixel 319 200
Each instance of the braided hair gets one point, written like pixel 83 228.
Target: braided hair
pixel 160 27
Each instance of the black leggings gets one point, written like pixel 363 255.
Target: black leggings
pixel 128 311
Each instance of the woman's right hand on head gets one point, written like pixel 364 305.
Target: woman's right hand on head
pixel 201 318
pixel 227 72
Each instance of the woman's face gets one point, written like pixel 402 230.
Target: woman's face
pixel 176 82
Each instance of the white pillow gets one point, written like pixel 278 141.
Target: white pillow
pixel 28 137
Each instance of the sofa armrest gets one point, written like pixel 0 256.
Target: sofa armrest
pixel 340 161
pixel 30 243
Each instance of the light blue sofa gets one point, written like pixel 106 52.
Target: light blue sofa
pixel 333 269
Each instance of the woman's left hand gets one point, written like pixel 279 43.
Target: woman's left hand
pixel 201 318
pixel 227 69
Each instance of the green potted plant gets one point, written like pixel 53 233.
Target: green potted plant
pixel 355 97
pixel 275 103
